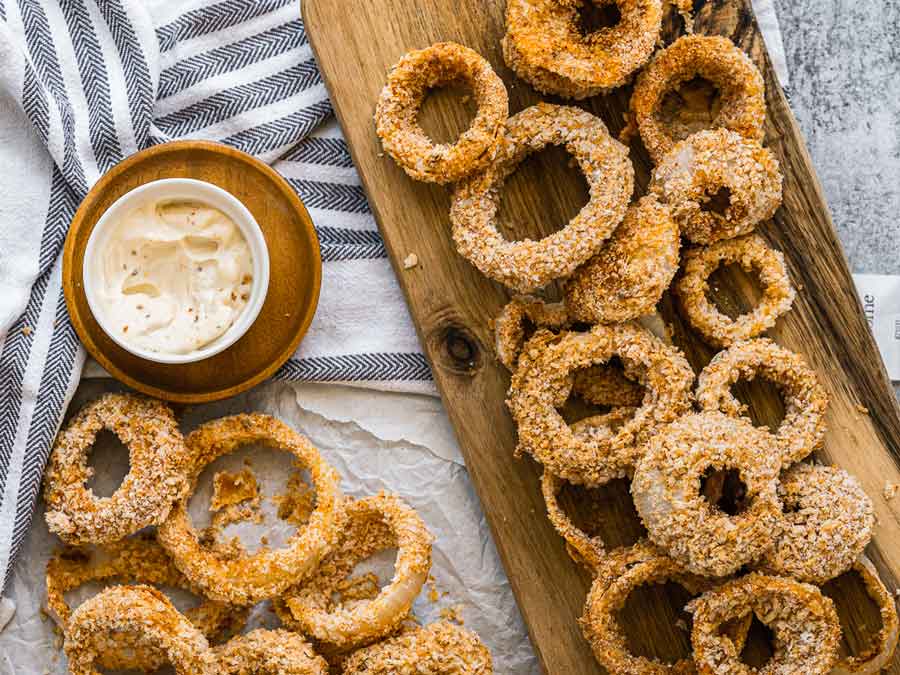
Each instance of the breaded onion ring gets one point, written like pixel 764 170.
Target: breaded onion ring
pixel 713 58
pixel 803 620
pixel 805 400
pixel 156 479
pixel 440 648
pixel 269 652
pixel 267 573
pixel 527 264
pixel 509 328
pixel 546 46
pixel 398 108
pixel 582 548
pixel 751 253
pixel 828 521
pixel 97 625
pixel 375 524
pixel 616 579
pixel 713 163
pixel 628 276
pixel 667 492
pixel 594 453
pixel 132 560
pixel 881 653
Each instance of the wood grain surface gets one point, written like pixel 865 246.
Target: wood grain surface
pixel 452 306
pixel 295 272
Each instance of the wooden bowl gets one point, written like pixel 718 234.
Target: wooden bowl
pixel 295 272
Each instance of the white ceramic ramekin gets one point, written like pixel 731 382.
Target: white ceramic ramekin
pixel 186 189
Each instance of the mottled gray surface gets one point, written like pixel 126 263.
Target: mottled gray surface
pixel 844 63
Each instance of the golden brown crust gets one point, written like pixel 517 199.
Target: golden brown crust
pixel 804 621
pixel 802 430
pixel 156 479
pixel 509 326
pixel 527 265
pixel 374 524
pixel 545 45
pixel 632 270
pixel 714 58
pixel 701 166
pixel 667 492
pixel 135 560
pixel 753 255
pixel 440 648
pixel 879 655
pixel 269 652
pixel 828 521
pixel 267 573
pixel 594 452
pixel 409 81
pixel 143 612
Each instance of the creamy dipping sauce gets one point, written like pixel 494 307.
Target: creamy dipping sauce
pixel 175 276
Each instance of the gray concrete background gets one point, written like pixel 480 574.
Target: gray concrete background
pixel 844 62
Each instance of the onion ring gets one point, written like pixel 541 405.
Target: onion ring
pixel 594 453
pixel 805 400
pixel 750 252
pixel 716 162
pixel 628 276
pixel 879 656
pixel 440 648
pixel 545 45
pixel 267 573
pixel 828 521
pixel 96 627
pixel 716 59
pixel 804 621
pixel 398 107
pixel 527 264
pixel 509 328
pixel 278 652
pixel 157 477
pixel 582 548
pixel 375 524
pixel 132 560
pixel 624 571
pixel 667 492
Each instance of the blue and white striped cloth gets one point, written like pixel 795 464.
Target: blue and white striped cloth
pixel 84 84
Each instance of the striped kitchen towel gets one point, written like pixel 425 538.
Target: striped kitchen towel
pixel 85 83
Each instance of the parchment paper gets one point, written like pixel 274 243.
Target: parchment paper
pixel 378 441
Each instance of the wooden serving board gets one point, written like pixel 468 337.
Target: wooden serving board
pixel 452 306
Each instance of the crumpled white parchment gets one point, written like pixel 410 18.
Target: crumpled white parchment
pixel 400 443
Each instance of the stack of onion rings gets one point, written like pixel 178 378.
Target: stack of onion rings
pixel 667 492
pixel 132 560
pixel 828 521
pixel 437 649
pixel 267 573
pixel 708 162
pixel 752 254
pixel 578 455
pixel 714 58
pixel 157 477
pixel 628 276
pixel 877 657
pixel 97 626
pixel 398 107
pixel 528 265
pixel 375 524
pixel 545 46
pixel 802 430
pixel 804 621
pixel 275 652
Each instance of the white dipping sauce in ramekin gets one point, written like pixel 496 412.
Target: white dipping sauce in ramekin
pixel 173 275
